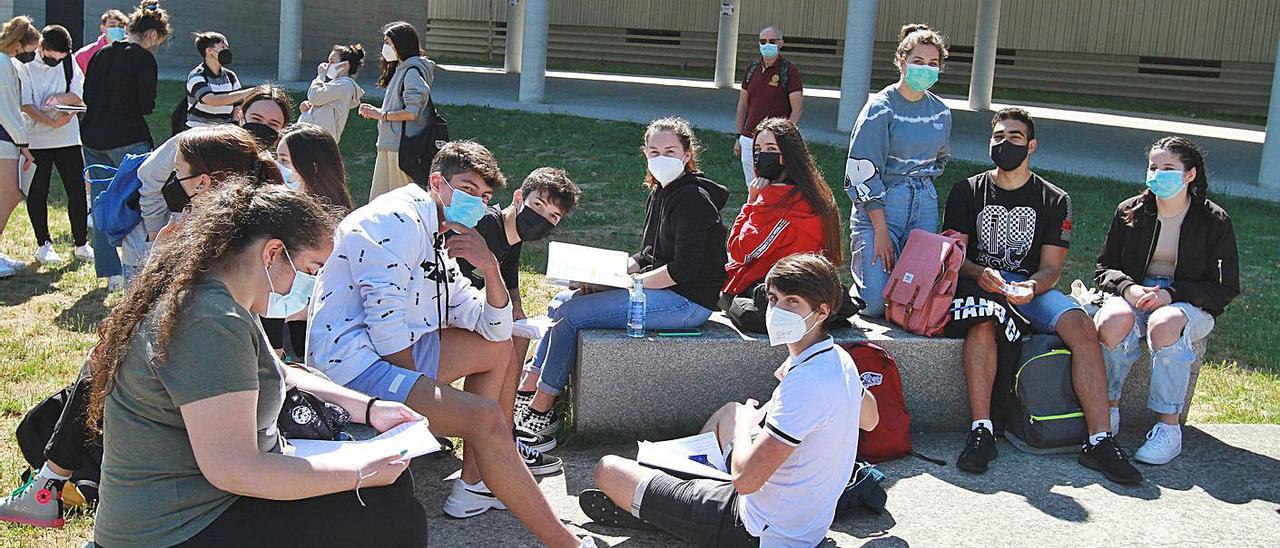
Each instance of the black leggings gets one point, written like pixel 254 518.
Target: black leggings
pixel 69 444
pixel 70 164
pixel 393 518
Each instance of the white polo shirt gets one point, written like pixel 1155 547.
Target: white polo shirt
pixel 815 409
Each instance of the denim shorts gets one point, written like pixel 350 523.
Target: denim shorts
pixel 1046 309
pixel 391 382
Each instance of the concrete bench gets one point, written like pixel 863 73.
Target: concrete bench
pixel 659 387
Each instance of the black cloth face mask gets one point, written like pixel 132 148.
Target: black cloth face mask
pixel 26 56
pixel 51 61
pixel 531 226
pixel 224 57
pixel 176 197
pixel 265 135
pixel 768 164
pixel 1008 156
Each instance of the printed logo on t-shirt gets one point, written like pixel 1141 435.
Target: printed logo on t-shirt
pixel 1005 235
pixel 774 81
pixel 857 171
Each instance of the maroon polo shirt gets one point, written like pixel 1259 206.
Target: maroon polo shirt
pixel 765 96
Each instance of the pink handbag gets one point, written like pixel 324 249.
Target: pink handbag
pixel 918 295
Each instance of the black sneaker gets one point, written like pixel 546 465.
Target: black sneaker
pixel 1110 459
pixel 537 442
pixel 538 463
pixel 523 401
pixel 542 424
pixel 979 450
pixel 601 509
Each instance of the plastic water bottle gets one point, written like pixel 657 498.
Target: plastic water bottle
pixel 635 315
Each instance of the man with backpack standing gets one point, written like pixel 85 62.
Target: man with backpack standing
pixel 1019 228
pixel 771 88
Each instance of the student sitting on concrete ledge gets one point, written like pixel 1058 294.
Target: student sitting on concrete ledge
pixel 807 453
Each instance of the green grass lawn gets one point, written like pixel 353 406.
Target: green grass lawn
pixel 50 314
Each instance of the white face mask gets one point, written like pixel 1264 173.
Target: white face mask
pixel 288 304
pixel 389 53
pixel 334 70
pixel 785 326
pixel 666 169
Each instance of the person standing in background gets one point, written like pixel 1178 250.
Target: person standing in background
pixel 18 40
pixel 334 92
pixel 119 91
pixel 111 30
pixel 406 76
pixel 212 89
pixel 771 88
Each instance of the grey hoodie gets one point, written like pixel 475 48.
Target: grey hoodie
pixel 331 102
pixel 409 89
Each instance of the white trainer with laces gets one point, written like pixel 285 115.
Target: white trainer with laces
pixel 1164 443
pixel 1115 421
pixel 470 500
pixel 9 266
pixel 46 255
pixel 84 253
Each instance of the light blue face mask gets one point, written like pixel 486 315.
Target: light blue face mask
pixel 463 208
pixel 1164 183
pixel 768 51
pixel 921 77
pixel 283 306
pixel 290 178
pixel 115 34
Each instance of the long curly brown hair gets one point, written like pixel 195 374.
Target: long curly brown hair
pixel 804 172
pixel 228 219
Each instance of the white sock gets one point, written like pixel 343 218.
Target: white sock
pixel 1098 437
pixel 47 473
pixel 982 422
pixel 479 485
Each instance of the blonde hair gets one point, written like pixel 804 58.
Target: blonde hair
pixel 18 32
pixel 916 34
pixel 114 15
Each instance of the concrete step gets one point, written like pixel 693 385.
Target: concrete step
pixel 659 387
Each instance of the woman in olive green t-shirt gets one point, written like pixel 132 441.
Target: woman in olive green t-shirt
pixel 188 392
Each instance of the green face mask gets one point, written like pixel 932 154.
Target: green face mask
pixel 921 77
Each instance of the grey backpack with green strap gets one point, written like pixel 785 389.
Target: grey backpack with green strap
pixel 1045 415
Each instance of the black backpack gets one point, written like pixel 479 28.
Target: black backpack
pixel 33 435
pixel 863 491
pixel 1045 415
pixel 784 73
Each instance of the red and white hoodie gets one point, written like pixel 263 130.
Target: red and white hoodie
pixel 780 222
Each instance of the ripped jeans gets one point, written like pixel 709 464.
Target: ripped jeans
pixel 1170 366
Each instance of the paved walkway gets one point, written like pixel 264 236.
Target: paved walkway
pixel 1097 143
pixel 1224 490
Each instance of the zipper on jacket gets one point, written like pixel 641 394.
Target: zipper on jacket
pixel 1155 235
pixel 1044 418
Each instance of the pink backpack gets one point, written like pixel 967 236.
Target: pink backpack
pixel 918 295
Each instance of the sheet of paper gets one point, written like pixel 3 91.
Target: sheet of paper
pixel 533 328
pixel 579 263
pixel 697 455
pixel 414 438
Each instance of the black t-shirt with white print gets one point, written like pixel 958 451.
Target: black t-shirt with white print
pixel 1006 228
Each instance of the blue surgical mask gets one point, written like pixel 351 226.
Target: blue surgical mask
pixel 768 51
pixel 290 177
pixel 921 77
pixel 283 306
pixel 1164 183
pixel 115 34
pixel 463 208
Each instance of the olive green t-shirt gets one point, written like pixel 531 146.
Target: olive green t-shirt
pixel 152 490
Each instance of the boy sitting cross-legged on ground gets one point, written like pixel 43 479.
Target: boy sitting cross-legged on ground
pixel 790 458
pixel 390 297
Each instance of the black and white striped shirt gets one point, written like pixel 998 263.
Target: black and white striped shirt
pixel 201 81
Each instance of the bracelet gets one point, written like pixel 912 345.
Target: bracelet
pixel 369 407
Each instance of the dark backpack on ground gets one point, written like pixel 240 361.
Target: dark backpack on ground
pixel 417 151
pixel 33 436
pixel 1045 415
pixel 891 438
pixel 863 491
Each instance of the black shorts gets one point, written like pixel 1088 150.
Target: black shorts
pixel 703 512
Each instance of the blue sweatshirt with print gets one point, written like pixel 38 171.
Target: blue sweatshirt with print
pixel 894 140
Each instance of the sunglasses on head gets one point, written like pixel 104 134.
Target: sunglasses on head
pixel 764 41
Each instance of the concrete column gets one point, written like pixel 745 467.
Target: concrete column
pixel 6 9
pixel 727 43
pixel 1269 170
pixel 515 36
pixel 290 56
pixel 533 59
pixel 985 38
pixel 859 48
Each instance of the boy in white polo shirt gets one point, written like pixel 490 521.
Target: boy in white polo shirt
pixel 786 482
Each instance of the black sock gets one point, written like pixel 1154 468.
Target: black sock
pixel 540 413
pixel 526 393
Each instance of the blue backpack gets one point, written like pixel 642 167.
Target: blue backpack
pixel 116 210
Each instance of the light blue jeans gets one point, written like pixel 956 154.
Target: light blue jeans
pixel 908 205
pixel 557 352
pixel 1170 366
pixel 106 260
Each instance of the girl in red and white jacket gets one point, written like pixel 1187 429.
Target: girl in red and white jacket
pixel 790 209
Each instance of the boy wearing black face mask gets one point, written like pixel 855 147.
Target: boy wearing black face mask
pixel 1019 228
pixel 212 89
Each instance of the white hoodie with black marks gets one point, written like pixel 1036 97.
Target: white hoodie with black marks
pixel 331 102
pixel 386 285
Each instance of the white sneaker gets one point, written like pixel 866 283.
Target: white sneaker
pixel 1164 442
pixel 1115 421
pixel 46 255
pixel 115 283
pixel 588 542
pixel 84 253
pixel 9 267
pixel 470 500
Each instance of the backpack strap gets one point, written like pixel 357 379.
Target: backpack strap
pixel 431 105
pixel 67 72
pixel 751 73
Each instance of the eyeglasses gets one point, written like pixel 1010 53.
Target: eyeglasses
pixel 764 41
